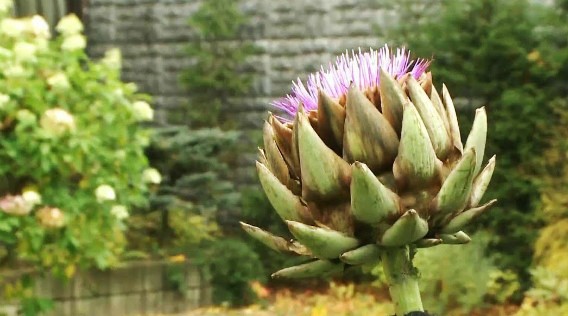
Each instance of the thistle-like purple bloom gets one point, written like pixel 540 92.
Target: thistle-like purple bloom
pixel 362 69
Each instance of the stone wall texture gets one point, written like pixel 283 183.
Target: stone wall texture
pixel 135 289
pixel 294 38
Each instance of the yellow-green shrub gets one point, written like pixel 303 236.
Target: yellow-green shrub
pixel 549 293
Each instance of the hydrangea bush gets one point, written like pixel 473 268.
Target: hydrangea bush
pixel 72 163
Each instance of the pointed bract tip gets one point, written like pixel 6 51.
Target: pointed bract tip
pixel 259 165
pixel 291 224
pixel 246 227
pixel 358 165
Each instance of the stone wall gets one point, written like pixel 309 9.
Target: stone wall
pixel 294 36
pixel 141 288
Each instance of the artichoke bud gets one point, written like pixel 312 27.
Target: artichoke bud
pixel 431 119
pixel 371 201
pixel 478 136
pixel 325 176
pixel 331 118
pixel 324 243
pixel 366 157
pixel 409 228
pixel 287 205
pixel 464 218
pixel 452 119
pixel 416 163
pixel 312 269
pixel 363 255
pixel 455 239
pixel 481 183
pixel 368 136
pixel 393 99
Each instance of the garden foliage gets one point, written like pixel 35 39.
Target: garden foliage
pixel 216 74
pixel 508 56
pixel 451 286
pixel 72 160
pixel 194 154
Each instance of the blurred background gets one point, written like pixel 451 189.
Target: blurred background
pixel 129 132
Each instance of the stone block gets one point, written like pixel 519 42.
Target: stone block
pixel 92 284
pixel 47 286
pixel 93 306
pixel 152 303
pixel 127 280
pixel 153 277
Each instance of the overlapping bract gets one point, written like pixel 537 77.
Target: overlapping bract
pixel 380 167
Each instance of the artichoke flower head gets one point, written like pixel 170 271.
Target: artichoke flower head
pixel 368 155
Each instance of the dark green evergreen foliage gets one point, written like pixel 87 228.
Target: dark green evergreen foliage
pixel 193 189
pixel 196 159
pixel 191 163
pixel 195 154
pixel 231 265
pixel 509 56
pixel 216 73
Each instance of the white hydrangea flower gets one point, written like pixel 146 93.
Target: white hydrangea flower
pixel 39 27
pixel 51 217
pixel 105 192
pixel 112 58
pixel 25 51
pixel 5 53
pixel 74 42
pixel 151 175
pixel 12 27
pixel 5 6
pixel 15 205
pixel 25 115
pixel 118 92
pixel 69 25
pixel 57 121
pixel 31 197
pixel 131 87
pixel 42 44
pixel 142 111
pixel 58 81
pixel 120 212
pixel 120 154
pixel 4 99
pixel 14 71
pixel 142 140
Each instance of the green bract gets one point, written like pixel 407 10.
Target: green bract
pixel 372 171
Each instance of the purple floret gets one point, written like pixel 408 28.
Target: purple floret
pixel 361 69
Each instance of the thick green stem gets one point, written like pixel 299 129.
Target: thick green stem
pixel 402 279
